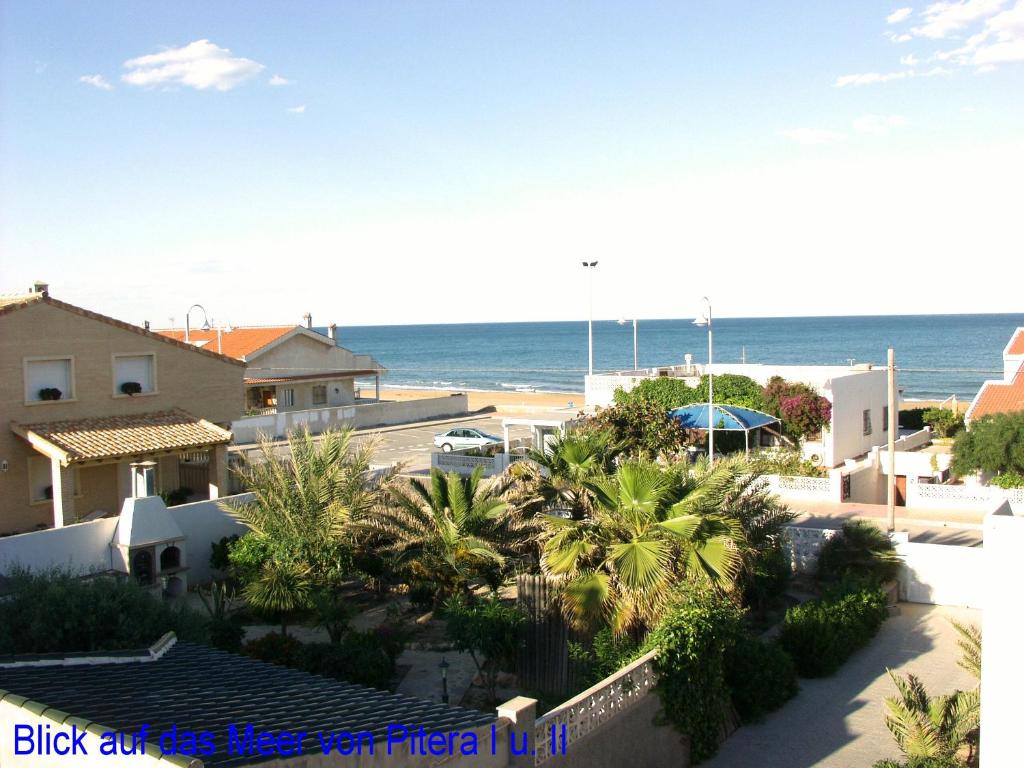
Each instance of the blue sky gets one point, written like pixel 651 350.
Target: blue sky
pixel 435 162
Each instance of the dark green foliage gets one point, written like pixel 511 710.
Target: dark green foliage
pixel 220 553
pixel 993 444
pixel 274 648
pixel 912 418
pixel 1009 480
pixel 605 655
pixel 359 657
pixel 643 429
pixel 821 634
pixel 760 676
pixel 176 497
pixel 692 641
pixel 422 594
pixel 860 551
pixel 733 389
pixel 920 762
pixel 226 634
pixel 944 423
pixel 57 611
pixel 489 631
pixel 667 392
pixel 131 387
pixel 769 576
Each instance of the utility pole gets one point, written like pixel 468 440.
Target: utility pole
pixel 892 426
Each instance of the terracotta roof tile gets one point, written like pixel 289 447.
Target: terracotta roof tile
pixel 238 343
pixel 1016 345
pixel 999 398
pixel 116 436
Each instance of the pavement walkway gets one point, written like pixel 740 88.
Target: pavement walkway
pixel 838 722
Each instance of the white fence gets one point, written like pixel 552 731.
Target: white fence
pixel 967 497
pixel 463 464
pixel 249 428
pixel 590 710
pixel 799 488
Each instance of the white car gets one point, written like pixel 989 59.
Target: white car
pixel 464 437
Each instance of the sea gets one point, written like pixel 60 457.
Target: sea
pixel 936 355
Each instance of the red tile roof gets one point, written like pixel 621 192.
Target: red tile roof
pixel 1016 345
pixel 238 343
pixel 999 398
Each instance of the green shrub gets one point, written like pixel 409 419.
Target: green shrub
pixel 489 631
pixel 57 611
pixel 994 443
pixel 605 655
pixel 943 422
pixel 274 648
pixel 821 634
pixel 692 641
pixel 1009 480
pixel 920 762
pixel 768 578
pixel 911 418
pixel 359 658
pixel 227 634
pixel 760 676
pixel 860 551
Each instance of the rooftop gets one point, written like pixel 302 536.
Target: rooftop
pixel 1016 345
pixel 199 688
pixel 239 343
pixel 996 397
pixel 113 437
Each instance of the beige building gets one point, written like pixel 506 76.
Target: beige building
pixel 82 396
pixel 288 367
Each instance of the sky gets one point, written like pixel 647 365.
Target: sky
pixel 420 162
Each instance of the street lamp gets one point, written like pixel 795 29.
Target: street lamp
pixel 706 320
pixel 206 320
pixel 636 364
pixel 443 666
pixel 589 265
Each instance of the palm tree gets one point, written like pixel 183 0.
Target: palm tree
pixel 935 727
pixel 300 517
pixel 554 480
pixel 447 533
pixel 647 532
pixel 860 550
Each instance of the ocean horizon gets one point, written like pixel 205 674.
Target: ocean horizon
pixel 936 355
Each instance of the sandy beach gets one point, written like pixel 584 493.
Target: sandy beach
pixel 549 400
pixel 478 400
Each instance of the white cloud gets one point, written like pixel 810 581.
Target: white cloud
pixel 812 136
pixel 200 65
pixel 278 80
pixel 870 78
pixel 96 81
pixel 297 110
pixel 1001 41
pixel 943 19
pixel 879 125
pixel 910 60
pixel 898 15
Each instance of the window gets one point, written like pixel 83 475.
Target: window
pixel 319 394
pixel 131 370
pixel 49 379
pixel 287 398
pixel 867 421
pixel 885 418
pixel 40 480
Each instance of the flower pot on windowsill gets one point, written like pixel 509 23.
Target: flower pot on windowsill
pixel 131 388
pixel 50 393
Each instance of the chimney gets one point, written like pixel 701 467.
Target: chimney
pixel 332 331
pixel 145 324
pixel 40 287
pixel 307 320
pixel 143 479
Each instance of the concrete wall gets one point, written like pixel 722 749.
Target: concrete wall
pixel 938 574
pixel 205 523
pixel 200 383
pixel 278 425
pixel 965 497
pixel 1002 674
pixel 851 395
pixel 82 547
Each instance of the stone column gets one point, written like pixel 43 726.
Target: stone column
pixel 218 471
pixel 522 712
pixel 63 482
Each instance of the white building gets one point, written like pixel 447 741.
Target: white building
pixel 859 397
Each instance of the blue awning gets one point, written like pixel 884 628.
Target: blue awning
pixel 732 418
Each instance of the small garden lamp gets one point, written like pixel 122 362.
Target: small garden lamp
pixel 443 666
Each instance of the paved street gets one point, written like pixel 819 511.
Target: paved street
pixel 837 722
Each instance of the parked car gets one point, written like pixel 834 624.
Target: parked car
pixel 464 437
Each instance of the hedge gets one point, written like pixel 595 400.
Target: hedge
pixel 760 676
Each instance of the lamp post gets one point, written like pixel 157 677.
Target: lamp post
pixel 443 666
pixel 590 265
pixel 206 320
pixel 706 320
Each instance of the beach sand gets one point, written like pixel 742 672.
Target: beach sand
pixel 478 400
pixel 549 400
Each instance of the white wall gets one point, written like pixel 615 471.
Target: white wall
pixel 278 425
pixel 1002 674
pixel 205 523
pixel 939 574
pixel 851 395
pixel 83 547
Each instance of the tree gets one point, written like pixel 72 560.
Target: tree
pixel 300 518
pixel 447 533
pixel 667 392
pixel 649 530
pixel 489 631
pixel 733 389
pixel 994 443
pixel 803 411
pixel 944 423
pixel 555 479
pixel 643 429
pixel 860 551
pixel 930 727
